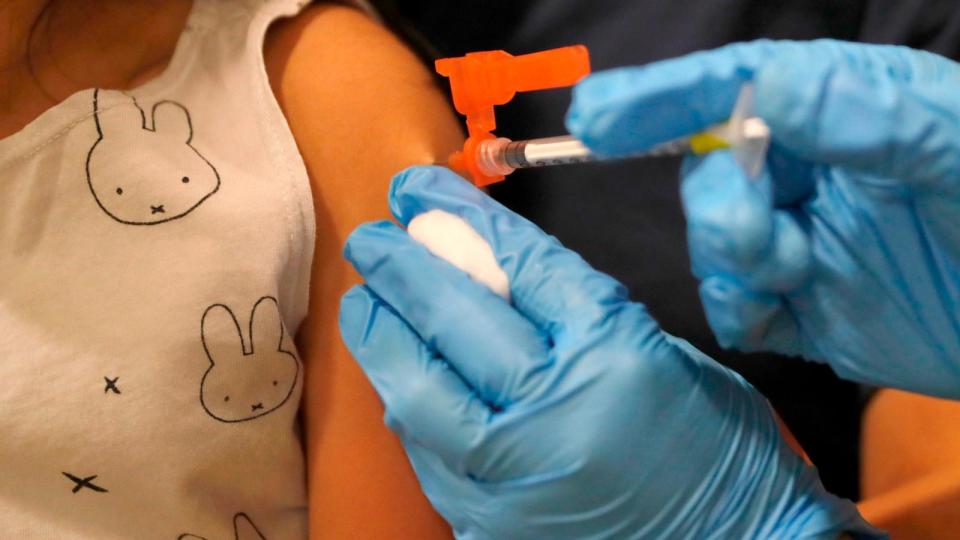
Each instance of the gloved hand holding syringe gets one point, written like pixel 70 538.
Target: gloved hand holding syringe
pixel 481 80
pixel 855 214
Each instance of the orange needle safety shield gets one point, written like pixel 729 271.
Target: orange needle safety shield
pixel 481 80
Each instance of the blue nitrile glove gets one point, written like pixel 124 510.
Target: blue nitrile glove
pixel 568 414
pixel 846 250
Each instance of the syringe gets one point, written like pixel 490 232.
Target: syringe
pixel 748 137
pixel 482 80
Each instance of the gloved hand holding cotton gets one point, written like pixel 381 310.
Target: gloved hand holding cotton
pixel 566 412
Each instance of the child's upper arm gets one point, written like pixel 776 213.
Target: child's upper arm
pixel 361 107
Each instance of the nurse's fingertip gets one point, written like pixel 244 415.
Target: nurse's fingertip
pixel 369 242
pixel 585 96
pixel 423 188
pixel 404 204
pixel 356 307
pixel 601 112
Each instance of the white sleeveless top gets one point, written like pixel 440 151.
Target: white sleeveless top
pixel 155 251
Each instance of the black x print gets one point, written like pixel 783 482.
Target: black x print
pixel 157 209
pixel 111 385
pixel 84 483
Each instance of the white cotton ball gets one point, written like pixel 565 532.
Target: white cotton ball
pixel 453 239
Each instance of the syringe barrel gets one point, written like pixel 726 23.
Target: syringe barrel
pixel 502 156
pixel 567 149
pixel 546 151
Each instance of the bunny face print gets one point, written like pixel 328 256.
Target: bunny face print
pixel 241 385
pixel 142 175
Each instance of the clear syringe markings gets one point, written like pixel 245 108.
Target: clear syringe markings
pixel 746 136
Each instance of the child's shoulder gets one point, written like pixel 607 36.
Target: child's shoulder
pixel 350 89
